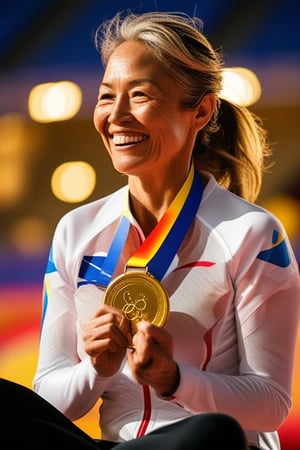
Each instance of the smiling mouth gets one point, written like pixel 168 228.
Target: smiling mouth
pixel 122 139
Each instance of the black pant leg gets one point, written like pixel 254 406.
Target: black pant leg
pixel 31 423
pixel 199 432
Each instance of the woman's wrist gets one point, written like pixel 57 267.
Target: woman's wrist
pixel 168 393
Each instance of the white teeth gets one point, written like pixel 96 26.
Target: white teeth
pixel 121 139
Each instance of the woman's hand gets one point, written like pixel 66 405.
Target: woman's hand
pixel 106 337
pixel 151 360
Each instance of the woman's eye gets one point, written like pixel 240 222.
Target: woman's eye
pixel 138 94
pixel 105 96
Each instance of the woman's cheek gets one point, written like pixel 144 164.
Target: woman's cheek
pixel 99 120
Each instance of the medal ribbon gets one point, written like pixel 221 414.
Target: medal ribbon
pixel 110 262
pixel 159 248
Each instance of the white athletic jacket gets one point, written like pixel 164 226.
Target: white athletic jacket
pixel 234 309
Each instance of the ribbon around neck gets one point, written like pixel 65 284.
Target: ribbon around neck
pixel 159 248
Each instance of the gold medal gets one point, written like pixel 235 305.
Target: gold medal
pixel 139 296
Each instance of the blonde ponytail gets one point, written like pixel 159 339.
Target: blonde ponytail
pixel 236 153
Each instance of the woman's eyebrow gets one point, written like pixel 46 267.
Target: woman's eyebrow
pixel 133 82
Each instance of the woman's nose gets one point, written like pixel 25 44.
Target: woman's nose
pixel 120 111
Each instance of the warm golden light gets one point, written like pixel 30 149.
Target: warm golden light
pixel 287 209
pixel 73 181
pixel 240 85
pixel 30 235
pixel 17 147
pixel 50 102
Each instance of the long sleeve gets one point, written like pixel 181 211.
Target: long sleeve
pixel 65 375
pixel 267 301
pixel 70 384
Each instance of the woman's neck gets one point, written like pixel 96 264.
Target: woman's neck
pixel 149 201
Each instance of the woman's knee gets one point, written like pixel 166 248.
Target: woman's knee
pixel 218 431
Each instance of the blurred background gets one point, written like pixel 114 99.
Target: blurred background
pixel 52 159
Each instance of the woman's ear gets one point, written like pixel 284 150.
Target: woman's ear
pixel 204 111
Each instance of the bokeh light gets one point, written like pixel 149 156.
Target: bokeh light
pixel 287 210
pixel 18 144
pixel 74 181
pixel 240 85
pixel 50 102
pixel 30 235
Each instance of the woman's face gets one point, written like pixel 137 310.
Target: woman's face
pixel 139 114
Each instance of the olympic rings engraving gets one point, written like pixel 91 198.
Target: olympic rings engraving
pixel 134 309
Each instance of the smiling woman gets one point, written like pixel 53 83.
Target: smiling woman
pixel 142 120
